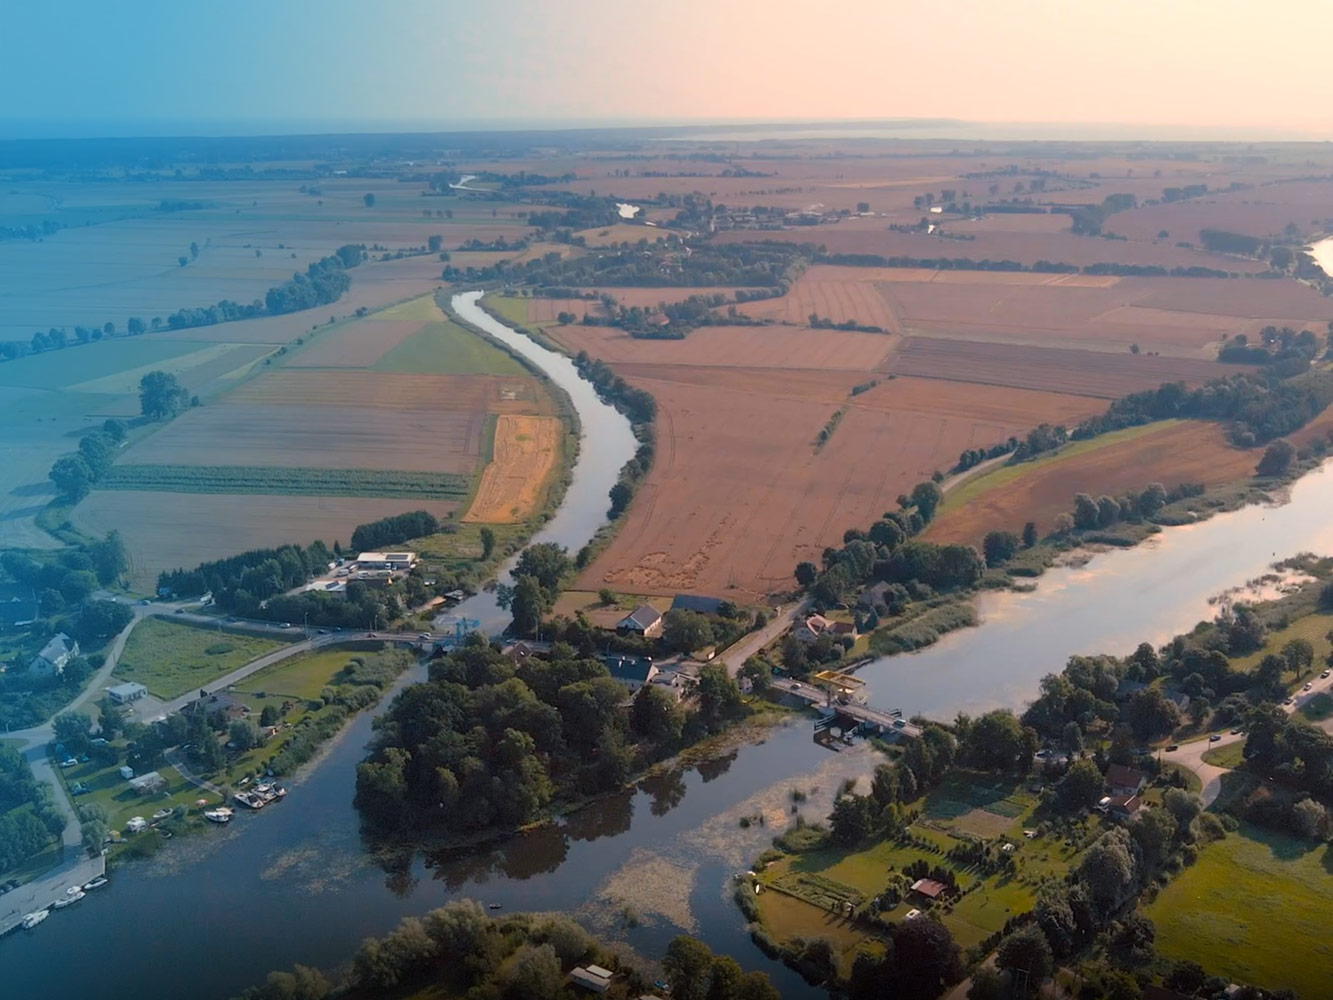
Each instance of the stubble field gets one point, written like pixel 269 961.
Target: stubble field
pixel 525 452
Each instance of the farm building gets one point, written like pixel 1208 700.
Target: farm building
pixel 589 980
pixel 123 694
pixel 1125 780
pixel 645 620
pixel 697 602
pixel 929 887
pixel 816 625
pixel 51 661
pixel 146 784
pixel 386 560
pixel 632 671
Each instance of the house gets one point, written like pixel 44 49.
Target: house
pixel 816 625
pixel 632 671
pixel 590 980
pixel 929 888
pixel 1123 807
pixel 697 602
pixel 1180 699
pixel 597 970
pixel 518 652
pixel 123 694
pixel 147 784
pixel 1125 780
pixel 50 662
pixel 645 620
pixel 386 560
pixel 839 629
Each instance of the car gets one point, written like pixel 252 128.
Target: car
pixel 230 618
pixel 180 611
pixel 69 762
pixel 145 602
pixel 1307 687
pixel 1325 673
pixel 1237 731
pixel 372 635
pixel 1214 738
pixel 325 631
pixel 1288 700
pixel 1173 746
pixel 285 625
pixel 424 635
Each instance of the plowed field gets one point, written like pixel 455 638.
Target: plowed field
pixel 526 449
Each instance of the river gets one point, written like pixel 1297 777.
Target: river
pixel 215 913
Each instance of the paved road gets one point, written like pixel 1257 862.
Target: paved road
pixel 735 655
pixel 1190 755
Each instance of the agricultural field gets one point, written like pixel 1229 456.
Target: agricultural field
pixel 1251 902
pixel 525 451
pixel 1168 452
pixel 749 436
pixel 170 530
pixel 288 479
pixel 171 658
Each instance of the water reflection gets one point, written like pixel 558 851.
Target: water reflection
pixel 667 789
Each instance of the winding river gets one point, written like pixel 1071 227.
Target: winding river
pixel 215 913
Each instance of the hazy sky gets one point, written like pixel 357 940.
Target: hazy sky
pixel 78 65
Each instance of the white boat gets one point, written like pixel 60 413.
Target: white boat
pixel 96 883
pixel 65 901
pixel 161 814
pixel 220 815
pixel 73 890
pixel 35 918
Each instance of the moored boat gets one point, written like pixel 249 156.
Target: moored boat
pixel 220 815
pixel 69 900
pixel 96 883
pixel 33 919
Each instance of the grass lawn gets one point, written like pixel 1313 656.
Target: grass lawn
pixel 300 677
pixel 54 369
pixel 171 658
pixel 1252 908
pixel 1232 755
pixel 571 602
pixel 442 347
pixel 113 793
pixel 1313 627
pixel 970 489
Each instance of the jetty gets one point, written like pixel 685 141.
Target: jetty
pixel 42 893
pixel 840 700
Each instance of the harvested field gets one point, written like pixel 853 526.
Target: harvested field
pixel 393 391
pixel 743 346
pixel 327 437
pixel 168 530
pixel 526 449
pixel 753 446
pixel 1173 452
pixel 836 293
pixel 289 480
pixel 1080 373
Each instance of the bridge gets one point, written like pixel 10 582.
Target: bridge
pixel 835 696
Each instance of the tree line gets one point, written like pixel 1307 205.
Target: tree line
pixel 1039 267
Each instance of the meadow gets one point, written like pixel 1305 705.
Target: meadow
pixel 172 659
pixel 1251 908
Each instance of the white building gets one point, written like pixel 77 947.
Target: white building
pixel 50 662
pixel 386 560
pixel 123 694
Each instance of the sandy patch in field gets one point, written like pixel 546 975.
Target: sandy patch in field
pixel 512 482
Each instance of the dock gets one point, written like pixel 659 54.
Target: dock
pixel 42 892
pixel 869 719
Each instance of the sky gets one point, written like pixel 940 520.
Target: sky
pixel 84 67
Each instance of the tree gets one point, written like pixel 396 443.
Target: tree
pixel 1309 819
pixel 433 243
pixel 988 983
pixel 536 972
pixel 72 477
pixel 927 497
pixel 160 395
pixel 1109 869
pixel 994 740
pixel 655 716
pixel 685 631
pixel 851 819
pixel 884 785
pixel 109 557
pixel 528 604
pixel 1153 830
pixel 1184 809
pixel 369 199
pixel 72 729
pixel 487 543
pixel 1298 655
pixel 1151 714
pixel 1082 785
pixel 243 734
pixel 135 326
pixel 1277 459
pixel 109 719
pixel 621 494
pixel 546 562
pixel 719 698
pixel 1071 738
pixel 269 716
pixel 1027 954
pixel 1086 512
pixel 1030 537
pixel 194 253
pixel 101 620
pixel 806 572
pixel 1186 976
pixel 687 966
pixel 926 960
pixel 999 547
pixel 1152 499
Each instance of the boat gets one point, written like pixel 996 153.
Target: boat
pixel 280 792
pixel 96 883
pixel 251 800
pixel 220 815
pixel 70 900
pixel 161 814
pixel 494 906
pixel 35 918
pixel 73 890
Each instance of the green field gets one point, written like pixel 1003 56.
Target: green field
pixel 970 489
pixel 1252 908
pixel 84 362
pixel 113 793
pixel 445 348
pixel 1312 627
pixel 1232 755
pixel 170 658
pixel 264 479
pixel 299 677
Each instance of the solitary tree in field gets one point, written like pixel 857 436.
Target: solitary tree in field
pixel 369 199
pixel 487 543
pixel 160 395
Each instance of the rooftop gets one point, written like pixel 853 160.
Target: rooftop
pixel 642 617
pixel 928 887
